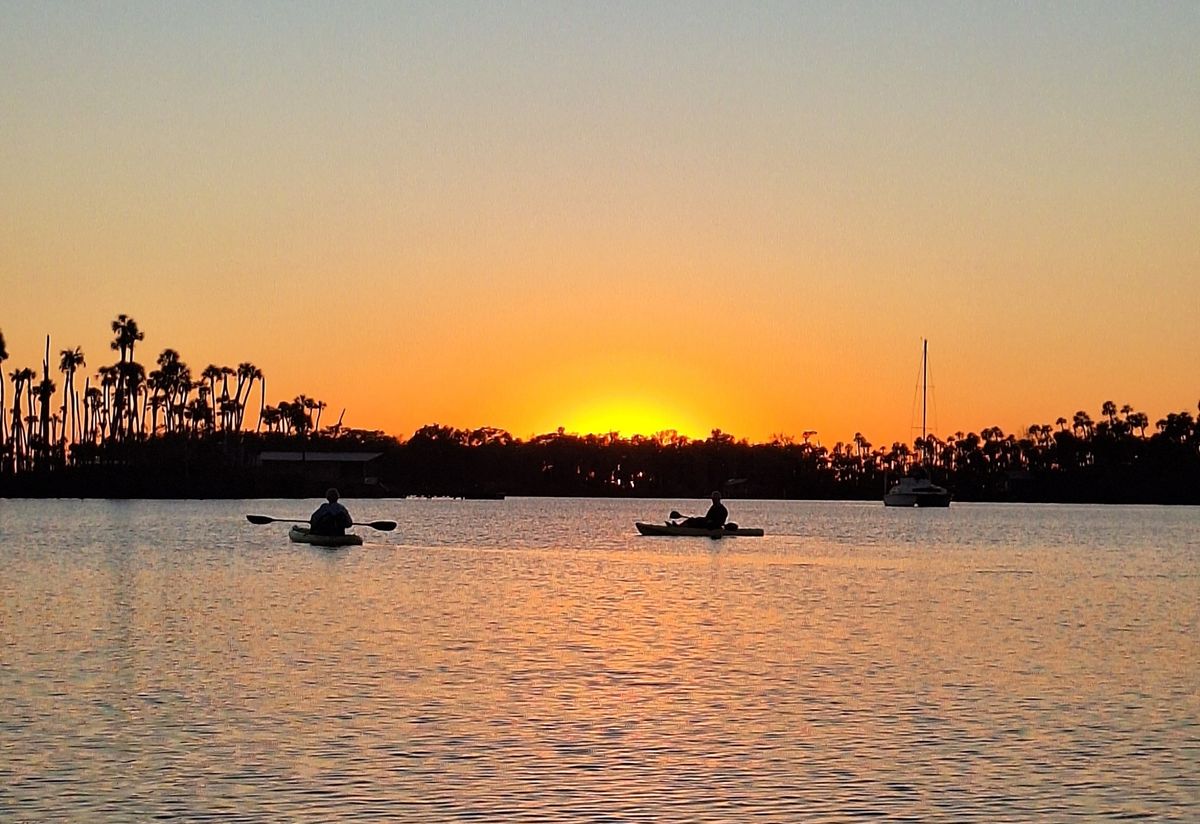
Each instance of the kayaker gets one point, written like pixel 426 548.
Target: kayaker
pixel 330 518
pixel 715 518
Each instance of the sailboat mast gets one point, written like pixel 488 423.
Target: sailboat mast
pixel 924 381
pixel 924 392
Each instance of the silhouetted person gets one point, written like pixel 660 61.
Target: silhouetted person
pixel 331 518
pixel 713 519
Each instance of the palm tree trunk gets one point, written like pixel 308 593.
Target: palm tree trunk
pixel 262 402
pixel 3 418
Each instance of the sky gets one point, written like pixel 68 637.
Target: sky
pixel 617 216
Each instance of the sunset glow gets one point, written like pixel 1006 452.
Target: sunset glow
pixel 627 417
pixel 628 219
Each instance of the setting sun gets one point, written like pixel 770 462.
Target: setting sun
pixel 629 416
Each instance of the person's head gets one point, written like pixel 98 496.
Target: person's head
pixel 331 495
pixel 716 496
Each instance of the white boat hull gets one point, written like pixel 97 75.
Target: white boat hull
pixel 916 492
pixel 916 500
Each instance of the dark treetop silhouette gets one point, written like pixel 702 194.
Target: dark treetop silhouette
pixel 170 433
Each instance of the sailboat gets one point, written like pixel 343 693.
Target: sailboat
pixel 917 489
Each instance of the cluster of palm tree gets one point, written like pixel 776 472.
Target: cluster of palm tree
pixel 295 417
pixel 30 427
pixel 124 403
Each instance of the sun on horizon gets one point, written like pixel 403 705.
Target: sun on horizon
pixel 628 416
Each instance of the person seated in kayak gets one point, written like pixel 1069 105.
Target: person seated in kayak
pixel 330 518
pixel 713 519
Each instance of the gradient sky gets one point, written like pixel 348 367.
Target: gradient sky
pixel 617 216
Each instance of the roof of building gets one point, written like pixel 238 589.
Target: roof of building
pixel 312 457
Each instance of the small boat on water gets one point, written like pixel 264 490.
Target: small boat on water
pixel 302 535
pixel 697 531
pixel 917 489
pixel 916 492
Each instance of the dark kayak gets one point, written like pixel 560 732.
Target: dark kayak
pixel 301 535
pixel 696 531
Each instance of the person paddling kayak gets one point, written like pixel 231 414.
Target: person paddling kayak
pixel 713 519
pixel 330 518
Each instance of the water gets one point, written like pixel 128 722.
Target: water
pixel 537 660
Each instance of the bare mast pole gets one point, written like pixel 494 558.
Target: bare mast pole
pixel 924 391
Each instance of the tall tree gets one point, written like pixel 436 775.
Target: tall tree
pixel 69 362
pixel 3 423
pixel 211 373
pixel 247 374
pixel 21 378
pixel 127 334
pixel 93 402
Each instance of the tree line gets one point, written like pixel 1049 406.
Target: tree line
pixel 171 432
pixel 1112 459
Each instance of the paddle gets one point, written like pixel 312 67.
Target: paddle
pixel 674 516
pixel 383 526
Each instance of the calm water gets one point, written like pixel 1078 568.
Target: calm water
pixel 538 660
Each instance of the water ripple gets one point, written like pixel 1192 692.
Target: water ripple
pixel 534 661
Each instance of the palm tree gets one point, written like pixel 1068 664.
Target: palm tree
pixel 299 414
pixel 172 379
pixel 106 376
pixel 157 401
pixel 1177 426
pixel 181 390
pixel 247 374
pixel 262 401
pixel 225 407
pixel 1082 421
pixel 3 424
pixel 134 377
pixel 93 406
pixel 127 334
pixel 284 410
pixel 200 414
pixel 230 412
pixel 45 393
pixel 269 416
pixel 21 379
pixel 211 373
pixel 69 361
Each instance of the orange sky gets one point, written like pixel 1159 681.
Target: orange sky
pixel 677 217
